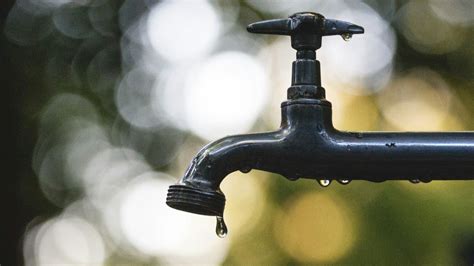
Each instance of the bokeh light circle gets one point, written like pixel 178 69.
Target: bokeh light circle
pixel 364 61
pixel 180 30
pixel 454 11
pixel 425 31
pixel 134 100
pixel 23 26
pixel 418 101
pixel 69 240
pixel 316 228
pixel 225 95
pixel 108 171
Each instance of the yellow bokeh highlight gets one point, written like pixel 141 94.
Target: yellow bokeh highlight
pixel 316 228
pixel 416 22
pixel 353 112
pixel 418 101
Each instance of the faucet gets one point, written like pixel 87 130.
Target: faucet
pixel 308 146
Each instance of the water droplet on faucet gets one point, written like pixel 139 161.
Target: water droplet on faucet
pixel 324 182
pixel 245 170
pixel 344 181
pixel 221 228
pixel 346 36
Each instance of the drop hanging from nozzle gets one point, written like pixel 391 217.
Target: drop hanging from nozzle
pixel 306 30
pixel 221 227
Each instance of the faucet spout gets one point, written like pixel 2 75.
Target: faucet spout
pixel 198 191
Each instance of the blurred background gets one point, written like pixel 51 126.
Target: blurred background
pixel 108 101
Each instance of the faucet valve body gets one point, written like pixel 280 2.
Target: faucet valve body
pixel 305 78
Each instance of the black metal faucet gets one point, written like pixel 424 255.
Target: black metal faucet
pixel 308 146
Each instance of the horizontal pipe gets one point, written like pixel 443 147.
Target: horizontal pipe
pixel 375 156
pixel 388 156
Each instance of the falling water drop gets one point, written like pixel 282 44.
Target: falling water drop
pixel 324 182
pixel 344 181
pixel 346 36
pixel 221 228
pixel 415 181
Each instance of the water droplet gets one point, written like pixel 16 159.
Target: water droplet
pixel 415 181
pixel 346 36
pixel 292 176
pixel 324 182
pixel 344 181
pixel 245 170
pixel 221 228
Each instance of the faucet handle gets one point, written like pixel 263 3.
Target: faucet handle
pixel 306 29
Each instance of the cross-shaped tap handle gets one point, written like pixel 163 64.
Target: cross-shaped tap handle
pixel 306 29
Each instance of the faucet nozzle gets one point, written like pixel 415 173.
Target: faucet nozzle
pixel 195 200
